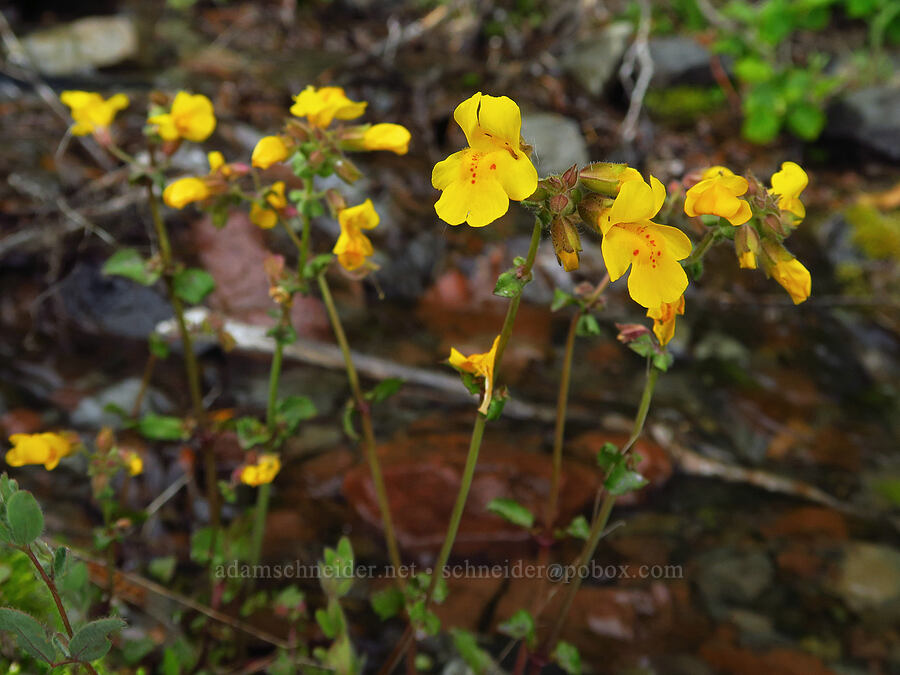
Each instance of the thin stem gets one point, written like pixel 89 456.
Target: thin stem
pixel 700 250
pixel 190 360
pixel 599 525
pixel 365 414
pixel 480 420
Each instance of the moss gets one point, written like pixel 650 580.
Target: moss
pixel 876 234
pixel 684 103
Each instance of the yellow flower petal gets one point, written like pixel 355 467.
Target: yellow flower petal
pixel 268 151
pixel 717 194
pixel 517 176
pixel 192 117
pixel 636 202
pixel 216 160
pixel 481 365
pixel 185 191
pixel 392 137
pixel 264 471
pixel 321 106
pixel 90 111
pixel 46 448
pixel 747 260
pixel 263 217
pixel 794 277
pixel 664 319
pixel 362 216
pixel 135 464
pixel 788 183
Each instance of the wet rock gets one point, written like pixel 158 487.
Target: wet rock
pixel 112 305
pixel 557 140
pixel 869 118
pixel 679 61
pixel 869 579
pixel 85 44
pixel 91 411
pixel 727 576
pixel 422 475
pixel 594 61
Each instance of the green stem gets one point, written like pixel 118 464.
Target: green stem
pixel 480 420
pixel 599 525
pixel 700 250
pixel 365 414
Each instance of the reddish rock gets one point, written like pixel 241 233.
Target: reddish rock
pixel 809 521
pixel 21 421
pixel 234 256
pixel 722 654
pixel 799 561
pixel 655 464
pixel 423 475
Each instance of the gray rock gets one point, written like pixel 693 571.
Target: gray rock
pixel 112 305
pixel 726 576
pixel 85 44
pixel 870 579
pixel 557 140
pixel 91 413
pixel 593 62
pixel 408 270
pixel 679 61
pixel 870 118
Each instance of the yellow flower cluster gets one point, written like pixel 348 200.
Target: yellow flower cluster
pixel 46 448
pixel 353 247
pixel 263 471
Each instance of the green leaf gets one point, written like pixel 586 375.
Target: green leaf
pixel 761 126
pixel 387 603
pixel 317 265
pixel 520 626
pixel 806 121
pixel 59 561
pixel 509 285
pixel 128 263
pixel 158 346
pixel 162 569
pixel 579 528
pixel 193 284
pixel 561 299
pixel 384 389
pixel 251 432
pixel 295 409
pixel 587 326
pixel 568 657
pixel 26 521
pixel 511 510
pixel 475 657
pixel 7 487
pixel 621 479
pixel 91 641
pixel 754 70
pixel 608 456
pixel 162 428
pixel 30 634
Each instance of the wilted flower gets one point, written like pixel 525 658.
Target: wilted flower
pixel 664 319
pixel 480 365
pixel 478 182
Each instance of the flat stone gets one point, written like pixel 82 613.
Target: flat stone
pixel 85 44
pixel 869 118
pixel 594 61
pixel 679 61
pixel 557 140
pixel 870 578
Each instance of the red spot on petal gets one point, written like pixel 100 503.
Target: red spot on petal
pixel 493 167
pixel 473 181
pixel 636 252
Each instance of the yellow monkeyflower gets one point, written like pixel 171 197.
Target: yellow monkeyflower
pixel 191 117
pixel 353 247
pixel 747 260
pixel 184 191
pixel 794 277
pixel 717 194
pixel 392 137
pixel 266 216
pixel 90 111
pixel 134 464
pixel 321 106
pixel 788 184
pixel 268 151
pixel 480 365
pixel 664 319
pixel 47 449
pixel 478 182
pixel 264 471
pixel 652 251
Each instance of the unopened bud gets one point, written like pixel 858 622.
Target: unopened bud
pixel 592 209
pixel 347 170
pixel 566 243
pixel 746 246
pixel 606 178
pixel 570 177
pixel 775 224
pixel 559 203
pixel 629 332
pixel 297 129
pixel 105 440
pixel 316 159
pixel 336 201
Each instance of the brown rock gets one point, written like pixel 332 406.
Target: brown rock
pixel 21 421
pixel 809 521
